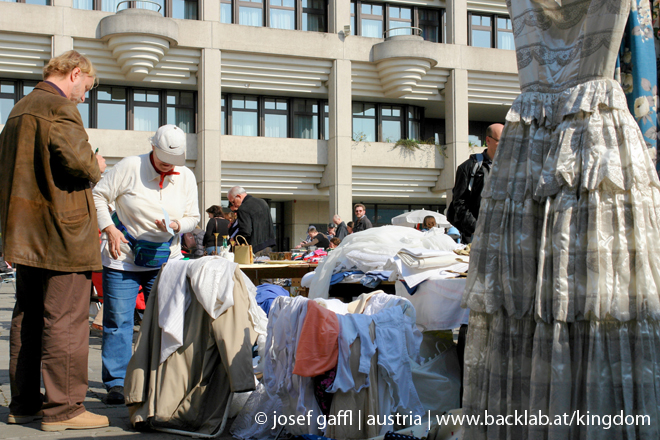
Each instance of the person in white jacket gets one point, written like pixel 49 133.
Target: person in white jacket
pixel 145 191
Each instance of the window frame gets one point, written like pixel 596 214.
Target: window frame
pixel 494 28
pixel 275 111
pixel 298 11
pixel 168 7
pixel 356 17
pixel 404 120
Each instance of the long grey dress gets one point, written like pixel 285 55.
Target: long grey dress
pixel 564 273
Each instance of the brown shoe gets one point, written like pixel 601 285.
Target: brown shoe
pixel 86 420
pixel 14 419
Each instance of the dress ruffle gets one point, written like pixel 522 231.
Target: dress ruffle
pixel 569 217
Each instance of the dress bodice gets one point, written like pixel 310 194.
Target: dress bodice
pixel 562 43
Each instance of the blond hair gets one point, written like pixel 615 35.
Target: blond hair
pixel 63 64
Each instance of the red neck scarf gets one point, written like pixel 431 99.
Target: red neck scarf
pixel 162 175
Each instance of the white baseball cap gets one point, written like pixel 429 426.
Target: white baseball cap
pixel 170 143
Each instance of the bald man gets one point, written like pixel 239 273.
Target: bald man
pixel 470 177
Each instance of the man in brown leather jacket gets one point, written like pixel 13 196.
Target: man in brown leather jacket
pixel 50 232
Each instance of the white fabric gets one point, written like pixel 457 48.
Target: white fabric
pixel 212 281
pixel 132 186
pixel 427 259
pixel 411 219
pixel 173 301
pixel 306 280
pixel 334 305
pixel 378 244
pixel 437 302
pixel 256 314
pixel 413 277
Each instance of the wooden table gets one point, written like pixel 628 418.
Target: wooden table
pixel 295 271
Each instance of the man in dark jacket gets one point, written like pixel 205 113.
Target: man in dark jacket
pixel 362 223
pixel 254 220
pixel 342 231
pixel 50 232
pixel 470 178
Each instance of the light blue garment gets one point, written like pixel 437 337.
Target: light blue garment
pixel 120 290
pixel 639 72
pixel 373 278
pixel 352 326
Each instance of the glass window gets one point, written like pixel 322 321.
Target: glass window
pixel 181 110
pixel 146 111
pixel 481 30
pixel 353 28
pixel 111 5
pixel 29 86
pixel 225 11
pixel 282 14
pixel 387 212
pixel 392 122
pixel 150 6
pixel 244 113
pixel 83 108
pixel 111 104
pixel 83 4
pixel 429 23
pixel 326 125
pixel 313 15
pixel 306 119
pixel 399 18
pixel 6 104
pixel 38 2
pixel 223 113
pixel 505 34
pixel 184 9
pixel 364 122
pixel 250 13
pixel 371 20
pixel 414 123
pixel 276 117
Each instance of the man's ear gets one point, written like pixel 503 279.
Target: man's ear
pixel 75 73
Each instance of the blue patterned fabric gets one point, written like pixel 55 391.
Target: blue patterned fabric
pixel 638 70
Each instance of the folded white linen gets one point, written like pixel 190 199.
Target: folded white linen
pixel 173 301
pixel 427 259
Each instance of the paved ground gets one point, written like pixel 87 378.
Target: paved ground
pixel 120 426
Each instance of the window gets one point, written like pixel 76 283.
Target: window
pixel 181 110
pixel 399 18
pixel 386 123
pixel 505 34
pixel 414 123
pixel 480 31
pixel 326 124
pixel 382 214
pixel 371 20
pixel 7 99
pixel 111 107
pixel 184 9
pixel 146 110
pixel 306 119
pixel 250 12
pixel 429 23
pixel 226 11
pixel 364 122
pixel 314 15
pixel 282 14
pixel 392 122
pixel 223 116
pixel 491 31
pixel 244 115
pixel 276 117
pixel 368 19
pixel 30 2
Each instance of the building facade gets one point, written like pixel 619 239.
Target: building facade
pixel 310 104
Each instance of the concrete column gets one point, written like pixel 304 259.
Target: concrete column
pixel 339 12
pixel 338 174
pixel 60 44
pixel 208 165
pixel 457 22
pixel 210 10
pixel 456 127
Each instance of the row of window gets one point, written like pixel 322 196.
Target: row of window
pixel 246 115
pixel 382 214
pixel 367 19
pixel 118 108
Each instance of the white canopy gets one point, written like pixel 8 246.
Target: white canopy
pixel 412 218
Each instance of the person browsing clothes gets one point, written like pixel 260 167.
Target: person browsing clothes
pixel 143 189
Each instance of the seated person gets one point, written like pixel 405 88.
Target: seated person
pixel 334 242
pixel 317 239
pixel 429 223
